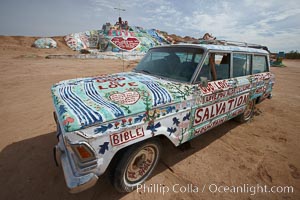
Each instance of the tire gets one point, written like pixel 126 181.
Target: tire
pixel 136 165
pixel 247 114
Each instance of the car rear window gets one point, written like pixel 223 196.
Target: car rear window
pixel 241 64
pixel 259 64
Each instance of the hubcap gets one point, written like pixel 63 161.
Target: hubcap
pixel 141 164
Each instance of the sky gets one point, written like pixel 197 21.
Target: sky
pixel 274 23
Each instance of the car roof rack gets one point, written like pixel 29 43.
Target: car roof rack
pixel 233 43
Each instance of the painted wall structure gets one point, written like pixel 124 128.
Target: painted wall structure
pixel 115 39
pixel 45 43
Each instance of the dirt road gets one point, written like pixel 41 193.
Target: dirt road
pixel 265 151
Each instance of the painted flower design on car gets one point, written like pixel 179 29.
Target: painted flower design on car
pixel 124 122
pixel 184 124
pixel 68 120
pixel 117 124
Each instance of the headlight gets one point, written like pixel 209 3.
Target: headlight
pixel 84 152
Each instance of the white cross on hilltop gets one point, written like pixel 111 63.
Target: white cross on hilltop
pixel 120 9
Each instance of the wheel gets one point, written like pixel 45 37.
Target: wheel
pixel 136 165
pixel 247 114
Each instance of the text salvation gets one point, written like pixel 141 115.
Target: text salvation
pixel 203 114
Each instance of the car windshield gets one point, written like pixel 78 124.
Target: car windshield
pixel 177 63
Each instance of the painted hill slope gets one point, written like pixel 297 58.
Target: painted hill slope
pixel 115 38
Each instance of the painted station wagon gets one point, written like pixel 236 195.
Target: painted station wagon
pixel 176 92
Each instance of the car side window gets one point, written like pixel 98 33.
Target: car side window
pixel 216 66
pixel 222 65
pixel 259 64
pixel 241 64
pixel 205 71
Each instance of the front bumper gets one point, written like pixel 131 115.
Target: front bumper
pixel 74 183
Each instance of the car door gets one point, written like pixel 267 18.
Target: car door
pixel 215 102
pixel 261 78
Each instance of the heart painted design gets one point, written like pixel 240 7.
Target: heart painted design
pixel 129 43
pixel 127 98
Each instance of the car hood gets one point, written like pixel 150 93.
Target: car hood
pixel 83 102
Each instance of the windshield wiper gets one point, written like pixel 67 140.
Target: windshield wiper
pixel 146 71
pixel 143 70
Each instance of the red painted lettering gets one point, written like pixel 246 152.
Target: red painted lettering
pixel 198 117
pixel 221 84
pixel 121 138
pixel 113 85
pixel 230 101
pixel 139 133
pixel 212 112
pixel 218 108
pixel 126 135
pixel 101 87
pixel 206 114
pixel 115 139
pixel 240 101
pixel 121 84
pixel 209 88
pixel 132 84
pixel 235 101
pixel 223 108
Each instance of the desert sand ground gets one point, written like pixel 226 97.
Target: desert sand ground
pixel 265 151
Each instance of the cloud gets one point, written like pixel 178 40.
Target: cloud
pixel 267 23
pixel 274 23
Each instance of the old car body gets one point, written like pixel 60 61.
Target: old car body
pixel 100 116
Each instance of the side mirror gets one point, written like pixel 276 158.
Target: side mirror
pixel 203 81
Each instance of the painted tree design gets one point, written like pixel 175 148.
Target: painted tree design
pixel 180 92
